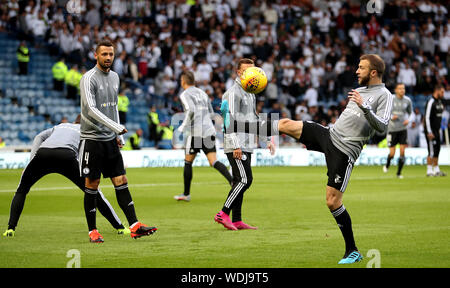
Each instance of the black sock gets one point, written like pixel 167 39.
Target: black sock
pixel 107 211
pixel 90 208
pixel 388 163
pixel 401 162
pixel 16 209
pixel 236 211
pixel 126 203
pixel 187 174
pixel 223 170
pixel 345 224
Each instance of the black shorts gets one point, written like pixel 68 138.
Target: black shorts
pixel 195 144
pixel 100 157
pixel 317 138
pixel 399 137
pixel 434 146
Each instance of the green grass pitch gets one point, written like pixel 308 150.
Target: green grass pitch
pixel 406 220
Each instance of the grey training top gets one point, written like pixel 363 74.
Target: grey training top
pixel 242 107
pixel 199 112
pixel 402 107
pixel 356 125
pixel 99 114
pixel 65 135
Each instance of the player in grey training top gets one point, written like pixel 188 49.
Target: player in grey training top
pixel 240 105
pixel 100 116
pixel 369 110
pixel 55 151
pixel 199 111
pixel 99 145
pixel 200 131
pixel 397 129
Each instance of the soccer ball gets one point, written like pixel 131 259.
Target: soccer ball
pixel 254 80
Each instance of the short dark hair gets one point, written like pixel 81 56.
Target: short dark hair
pixel 438 87
pixel 188 77
pixel 244 61
pixel 376 63
pixel 105 42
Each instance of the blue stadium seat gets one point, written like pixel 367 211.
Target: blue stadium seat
pixel 165 144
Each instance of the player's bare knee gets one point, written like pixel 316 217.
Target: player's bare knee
pixel 92 183
pixel 333 198
pixel 119 180
pixel 333 203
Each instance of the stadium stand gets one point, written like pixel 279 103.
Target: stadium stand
pixel 309 49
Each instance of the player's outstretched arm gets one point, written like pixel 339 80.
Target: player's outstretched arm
pixel 378 119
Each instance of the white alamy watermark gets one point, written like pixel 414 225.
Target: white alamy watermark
pixel 74 7
pixel 186 134
pixel 75 261
pixel 375 261
pixel 374 6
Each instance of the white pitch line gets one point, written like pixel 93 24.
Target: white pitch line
pixel 355 178
pixel 103 187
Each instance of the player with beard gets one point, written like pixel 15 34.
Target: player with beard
pixel 368 110
pixel 100 142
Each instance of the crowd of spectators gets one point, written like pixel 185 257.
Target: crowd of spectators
pixel 308 48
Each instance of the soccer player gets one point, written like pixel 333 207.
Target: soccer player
pixel 368 110
pixel 241 105
pixel 201 131
pixel 397 128
pixel 55 150
pixel 99 142
pixel 432 124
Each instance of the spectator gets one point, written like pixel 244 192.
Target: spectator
pixel 93 16
pixel 131 69
pixel 427 44
pixel 122 106
pixel 59 71
pixel 154 127
pixel 2 143
pixel 23 57
pixel 119 64
pixel 407 76
pixel 39 28
pixel 181 34
pixel 271 91
pixel 204 71
pixel 72 80
pixel 134 141
pixel 414 128
pixel 311 96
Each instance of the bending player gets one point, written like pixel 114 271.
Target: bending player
pixel 55 151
